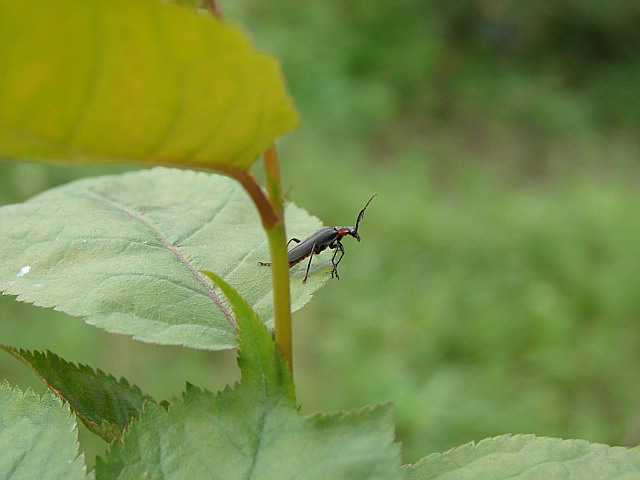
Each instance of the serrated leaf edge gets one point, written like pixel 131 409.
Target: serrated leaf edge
pixel 473 445
pixel 91 425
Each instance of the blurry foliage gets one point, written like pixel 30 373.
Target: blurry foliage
pixel 496 287
pixel 440 59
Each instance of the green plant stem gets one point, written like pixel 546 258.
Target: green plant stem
pixel 279 259
pixel 281 294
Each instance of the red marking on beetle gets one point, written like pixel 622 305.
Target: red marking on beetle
pixel 299 260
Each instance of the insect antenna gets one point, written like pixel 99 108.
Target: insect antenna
pixel 361 214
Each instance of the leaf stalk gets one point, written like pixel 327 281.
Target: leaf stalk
pixel 271 212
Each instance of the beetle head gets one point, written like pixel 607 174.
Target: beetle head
pixel 343 231
pixel 354 233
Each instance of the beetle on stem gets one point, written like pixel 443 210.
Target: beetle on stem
pixel 326 237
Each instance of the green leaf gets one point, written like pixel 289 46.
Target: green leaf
pixel 38 437
pixel 529 457
pixel 253 430
pixel 124 253
pixel 112 80
pixel 105 405
pixel 241 308
pixel 257 349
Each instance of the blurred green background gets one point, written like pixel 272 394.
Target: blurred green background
pixel 497 285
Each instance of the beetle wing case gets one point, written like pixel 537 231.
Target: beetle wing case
pixel 321 239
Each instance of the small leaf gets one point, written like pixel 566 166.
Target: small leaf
pixel 124 252
pixel 260 362
pixel 254 430
pixel 529 457
pixel 141 80
pixel 105 405
pixel 38 437
pixel 241 308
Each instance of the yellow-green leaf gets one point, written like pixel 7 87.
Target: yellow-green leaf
pixel 117 80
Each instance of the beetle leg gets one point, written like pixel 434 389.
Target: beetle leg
pixel 338 248
pixel 306 275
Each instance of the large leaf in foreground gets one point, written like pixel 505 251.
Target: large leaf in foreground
pixel 143 80
pixel 124 252
pixel 38 437
pixel 529 457
pixel 254 430
pixel 105 405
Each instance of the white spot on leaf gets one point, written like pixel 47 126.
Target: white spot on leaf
pixel 24 270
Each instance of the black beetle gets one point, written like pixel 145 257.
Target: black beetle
pixel 326 237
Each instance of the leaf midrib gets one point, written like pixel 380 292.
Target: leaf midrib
pixel 173 249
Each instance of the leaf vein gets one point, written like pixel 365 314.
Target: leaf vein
pixel 172 248
pixel 206 223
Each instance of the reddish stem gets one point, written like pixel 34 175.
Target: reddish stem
pixel 215 10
